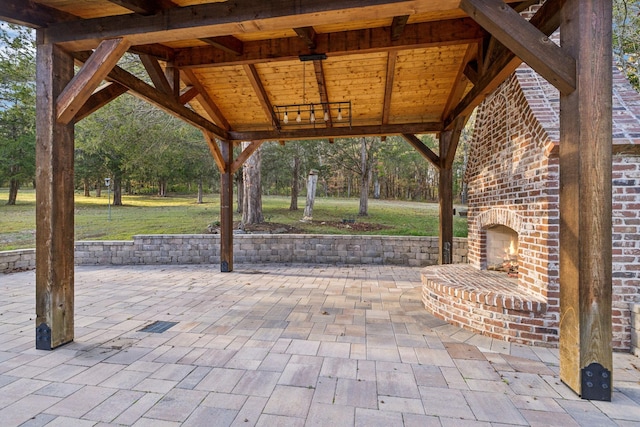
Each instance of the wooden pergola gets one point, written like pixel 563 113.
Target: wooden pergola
pixel 235 68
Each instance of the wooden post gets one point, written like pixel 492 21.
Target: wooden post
pixel 54 202
pixel 585 203
pixel 226 209
pixel 445 198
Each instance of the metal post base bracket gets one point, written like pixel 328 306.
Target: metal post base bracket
pixel 224 267
pixel 43 337
pixel 596 383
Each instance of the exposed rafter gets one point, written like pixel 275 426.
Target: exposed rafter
pixel 322 88
pixel 336 132
pixel 388 87
pixel 145 7
pixel 441 33
pixel 159 99
pixel 461 82
pixel 525 41
pixel 205 101
pixel 263 98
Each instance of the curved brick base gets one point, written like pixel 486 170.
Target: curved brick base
pixel 488 303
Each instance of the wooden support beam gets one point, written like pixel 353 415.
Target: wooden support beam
pixel 101 97
pixel 156 73
pixel 31 14
pixel 187 94
pixel 525 41
pixel 173 77
pixel 229 44
pixel 547 20
pixel 145 7
pixel 219 19
pixel 87 80
pixel 308 34
pixel 371 40
pixel 261 93
pixel 159 99
pixel 388 86
pixel 205 101
pixel 586 362
pixel 397 26
pixel 226 209
pixel 448 139
pixel 422 149
pixel 336 132
pixel 322 88
pixel 158 51
pixel 461 82
pixel 54 202
pixel 246 153
pixel 449 143
pixel 215 151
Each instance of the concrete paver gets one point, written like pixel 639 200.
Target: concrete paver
pixel 278 345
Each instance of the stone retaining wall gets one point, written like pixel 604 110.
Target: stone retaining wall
pixel 251 248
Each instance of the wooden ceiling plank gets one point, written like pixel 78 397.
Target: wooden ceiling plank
pixel 422 149
pixel 223 18
pixel 246 153
pixel 551 61
pixel 159 99
pixel 388 87
pixel 547 19
pixel 101 97
pixel 188 94
pixel 30 14
pixel 261 93
pixel 209 106
pixel 337 132
pixel 308 34
pixel 397 26
pixel 428 34
pixel 215 151
pixel 229 44
pixel 156 73
pixel 322 88
pixel 87 80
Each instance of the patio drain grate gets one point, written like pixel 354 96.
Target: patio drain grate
pixel 158 327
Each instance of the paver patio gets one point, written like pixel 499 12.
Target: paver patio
pixel 277 345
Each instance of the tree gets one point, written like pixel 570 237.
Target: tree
pixel 17 107
pixel 252 209
pixel 626 38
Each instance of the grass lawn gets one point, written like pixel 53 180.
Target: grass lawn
pixel 180 214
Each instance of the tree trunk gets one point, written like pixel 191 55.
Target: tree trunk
pixel 312 183
pixel 240 187
pixel 117 191
pixel 200 191
pixel 293 206
pixel 87 190
pixel 365 167
pixel 162 187
pixel 99 189
pixel 252 212
pixel 14 185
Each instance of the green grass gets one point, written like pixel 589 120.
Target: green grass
pixel 180 214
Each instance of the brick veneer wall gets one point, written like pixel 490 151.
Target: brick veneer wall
pixel 251 248
pixel 626 246
pixel 513 181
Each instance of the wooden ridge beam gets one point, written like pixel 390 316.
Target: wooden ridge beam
pixel 159 99
pixel 87 80
pixel 547 20
pixel 223 18
pixel 525 41
pixel 371 40
pixel 261 93
pixel 156 73
pixel 422 149
pixel 336 132
pixel 246 153
pixel 205 101
pixel 101 97
pixel 388 86
pixel 229 44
